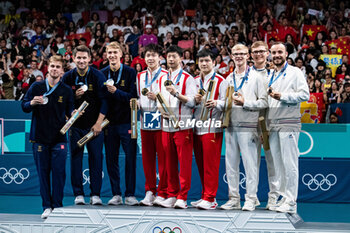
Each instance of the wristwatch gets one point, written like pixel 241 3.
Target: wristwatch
pixel 176 94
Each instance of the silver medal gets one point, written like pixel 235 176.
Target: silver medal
pixel 110 82
pixel 45 100
pixel 84 88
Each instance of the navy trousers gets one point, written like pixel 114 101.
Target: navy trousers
pixel 94 147
pixel 114 135
pixel 51 159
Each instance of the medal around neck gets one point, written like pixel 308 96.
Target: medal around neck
pixel 235 94
pixel 144 91
pixel 269 90
pixel 110 82
pixel 201 92
pixel 168 83
pixel 84 88
pixel 45 100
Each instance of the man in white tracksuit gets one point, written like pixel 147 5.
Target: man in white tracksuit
pixel 288 88
pixel 242 136
pixel 259 53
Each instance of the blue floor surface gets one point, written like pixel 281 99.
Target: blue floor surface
pixel 310 212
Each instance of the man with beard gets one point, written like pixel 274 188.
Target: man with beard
pixel 51 102
pixel 88 85
pixel 287 89
pixel 177 142
pixel 121 87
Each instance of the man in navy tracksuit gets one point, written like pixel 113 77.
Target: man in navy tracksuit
pixel 50 101
pixel 121 88
pixel 88 85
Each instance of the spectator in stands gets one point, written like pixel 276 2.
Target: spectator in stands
pixel 331 96
pixel 333 118
pixel 147 38
pixel 344 96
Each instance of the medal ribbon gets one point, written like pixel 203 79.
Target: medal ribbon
pixel 119 75
pixel 272 80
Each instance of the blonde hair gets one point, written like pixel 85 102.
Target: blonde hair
pixel 56 58
pixel 258 44
pixel 114 45
pixel 240 47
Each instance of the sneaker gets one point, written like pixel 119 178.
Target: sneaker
pixel 250 204
pixel 287 208
pixel 207 205
pixel 180 204
pixel 278 204
pixel 148 200
pixel 116 200
pixel 195 203
pixel 169 202
pixel 158 200
pixel 131 201
pixel 79 200
pixel 95 200
pixel 232 204
pixel 272 201
pixel 46 213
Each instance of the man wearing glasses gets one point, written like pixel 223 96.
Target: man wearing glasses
pixel 259 52
pixel 242 133
pixel 287 89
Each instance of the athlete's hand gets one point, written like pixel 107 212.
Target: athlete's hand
pixel 151 95
pixel 211 104
pixel 37 100
pixel 276 95
pixel 238 99
pixel 171 89
pixel 198 98
pixel 111 88
pixel 79 93
pixel 96 129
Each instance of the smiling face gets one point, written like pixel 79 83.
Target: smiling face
pixel 279 54
pixel 240 56
pixel 259 55
pixel 82 59
pixel 114 55
pixel 152 60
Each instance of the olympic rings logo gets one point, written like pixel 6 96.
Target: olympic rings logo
pixel 13 175
pixel 87 177
pixel 319 181
pixel 241 181
pixel 167 230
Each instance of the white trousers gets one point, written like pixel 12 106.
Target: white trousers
pixel 285 153
pixel 242 140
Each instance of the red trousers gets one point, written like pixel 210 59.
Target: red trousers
pixel 178 148
pixel 152 147
pixel 207 151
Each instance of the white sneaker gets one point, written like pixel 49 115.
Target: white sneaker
pixel 232 204
pixel 95 200
pixel 46 213
pixel 195 203
pixel 115 200
pixel 79 200
pixel 131 201
pixel 207 205
pixel 287 208
pixel 148 200
pixel 158 200
pixel 250 204
pixel 180 204
pixel 169 202
pixel 272 201
pixel 278 204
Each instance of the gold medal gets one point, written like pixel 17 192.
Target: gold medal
pixel 168 83
pixel 144 91
pixel 201 92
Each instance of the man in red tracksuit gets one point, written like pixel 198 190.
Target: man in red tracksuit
pixel 208 137
pixel 148 86
pixel 178 141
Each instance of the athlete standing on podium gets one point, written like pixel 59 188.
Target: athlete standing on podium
pixel 88 85
pixel 121 85
pixel 51 102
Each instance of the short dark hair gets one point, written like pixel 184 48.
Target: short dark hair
pixel 175 49
pixel 206 53
pixel 153 48
pixel 81 48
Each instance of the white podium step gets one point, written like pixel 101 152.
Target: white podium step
pixel 123 219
